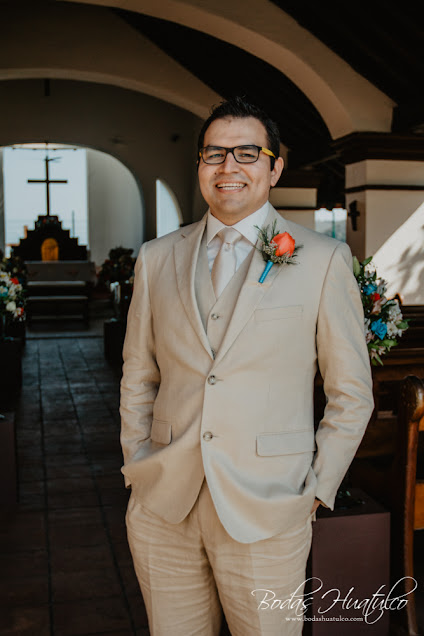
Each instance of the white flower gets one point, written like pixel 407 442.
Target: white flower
pixel 11 306
pixel 380 351
pixel 395 313
pixel 369 336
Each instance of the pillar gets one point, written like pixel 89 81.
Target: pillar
pixel 385 184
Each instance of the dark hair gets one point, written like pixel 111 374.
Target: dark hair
pixel 238 108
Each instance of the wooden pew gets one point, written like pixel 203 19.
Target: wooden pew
pixel 407 493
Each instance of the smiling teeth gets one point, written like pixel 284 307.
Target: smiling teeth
pixel 230 186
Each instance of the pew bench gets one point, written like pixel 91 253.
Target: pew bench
pixel 64 306
pixel 59 289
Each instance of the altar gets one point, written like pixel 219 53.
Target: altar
pixel 64 271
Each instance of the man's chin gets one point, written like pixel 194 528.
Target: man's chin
pixel 230 216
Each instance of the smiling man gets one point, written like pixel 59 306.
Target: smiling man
pixel 218 437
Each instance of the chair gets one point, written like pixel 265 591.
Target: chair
pixel 407 493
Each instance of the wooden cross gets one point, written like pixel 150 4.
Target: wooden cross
pixel 354 213
pixel 48 181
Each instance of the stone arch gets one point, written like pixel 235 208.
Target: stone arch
pixel 110 188
pixel 346 100
pixel 150 137
pixel 140 65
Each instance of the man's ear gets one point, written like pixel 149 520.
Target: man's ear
pixel 276 171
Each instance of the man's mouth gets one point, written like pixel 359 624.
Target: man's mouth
pixel 230 186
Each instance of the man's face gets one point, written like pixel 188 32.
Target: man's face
pixel 234 190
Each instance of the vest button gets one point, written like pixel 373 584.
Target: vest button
pixel 207 436
pixel 212 379
pixel 214 316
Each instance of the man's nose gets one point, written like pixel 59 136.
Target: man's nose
pixel 230 164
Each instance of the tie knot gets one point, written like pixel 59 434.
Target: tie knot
pixel 229 235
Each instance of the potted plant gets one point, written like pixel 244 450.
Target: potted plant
pixel 12 310
pixel 117 273
pixel 17 270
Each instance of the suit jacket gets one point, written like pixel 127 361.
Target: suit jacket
pixel 244 418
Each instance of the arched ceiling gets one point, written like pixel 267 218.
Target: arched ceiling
pixel 382 40
pixel 229 70
pixel 321 71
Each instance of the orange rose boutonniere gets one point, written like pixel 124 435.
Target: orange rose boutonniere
pixel 279 248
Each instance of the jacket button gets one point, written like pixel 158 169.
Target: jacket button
pixel 212 379
pixel 214 316
pixel 207 436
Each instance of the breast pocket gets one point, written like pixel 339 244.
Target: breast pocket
pixel 161 432
pixel 279 313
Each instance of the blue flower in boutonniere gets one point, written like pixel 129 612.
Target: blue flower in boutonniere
pixel 279 248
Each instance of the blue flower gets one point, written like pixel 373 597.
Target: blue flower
pixel 369 289
pixel 379 328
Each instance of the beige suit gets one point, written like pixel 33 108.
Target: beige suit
pixel 242 415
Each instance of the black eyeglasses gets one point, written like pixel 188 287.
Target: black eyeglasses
pixel 242 154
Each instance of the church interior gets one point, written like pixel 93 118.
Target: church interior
pixel 129 82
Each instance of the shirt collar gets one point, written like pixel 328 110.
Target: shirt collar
pixel 246 226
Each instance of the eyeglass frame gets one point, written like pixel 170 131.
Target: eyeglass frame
pixel 266 151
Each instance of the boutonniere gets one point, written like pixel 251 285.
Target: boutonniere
pixel 279 248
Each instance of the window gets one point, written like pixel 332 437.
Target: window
pixel 168 213
pixel 331 222
pixel 24 201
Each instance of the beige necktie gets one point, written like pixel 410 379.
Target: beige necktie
pixel 224 266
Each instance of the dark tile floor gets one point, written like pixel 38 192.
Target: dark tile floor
pixel 65 566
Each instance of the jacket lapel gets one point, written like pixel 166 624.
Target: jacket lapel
pixel 252 291
pixel 186 253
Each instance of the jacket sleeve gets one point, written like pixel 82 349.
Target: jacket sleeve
pixel 141 375
pixel 345 368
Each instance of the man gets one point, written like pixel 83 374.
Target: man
pixel 217 396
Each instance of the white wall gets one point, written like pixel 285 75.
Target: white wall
pixel 115 206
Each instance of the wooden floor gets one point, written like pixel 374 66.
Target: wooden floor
pixel 65 566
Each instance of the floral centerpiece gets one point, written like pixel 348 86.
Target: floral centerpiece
pixel 119 267
pixel 12 301
pixel 384 323
pixel 15 267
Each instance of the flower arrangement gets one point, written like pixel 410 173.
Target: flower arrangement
pixel 119 267
pixel 279 248
pixel 15 267
pixel 383 318
pixel 12 301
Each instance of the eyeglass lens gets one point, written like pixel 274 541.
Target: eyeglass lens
pixel 242 154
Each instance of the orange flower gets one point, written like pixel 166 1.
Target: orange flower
pixel 284 243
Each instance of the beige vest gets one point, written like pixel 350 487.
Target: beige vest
pixel 216 314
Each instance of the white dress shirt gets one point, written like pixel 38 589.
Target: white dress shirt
pixel 247 229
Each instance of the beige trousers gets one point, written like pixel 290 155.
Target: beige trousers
pixel 187 571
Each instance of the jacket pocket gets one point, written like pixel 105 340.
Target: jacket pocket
pixel 286 443
pixel 279 313
pixel 161 432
